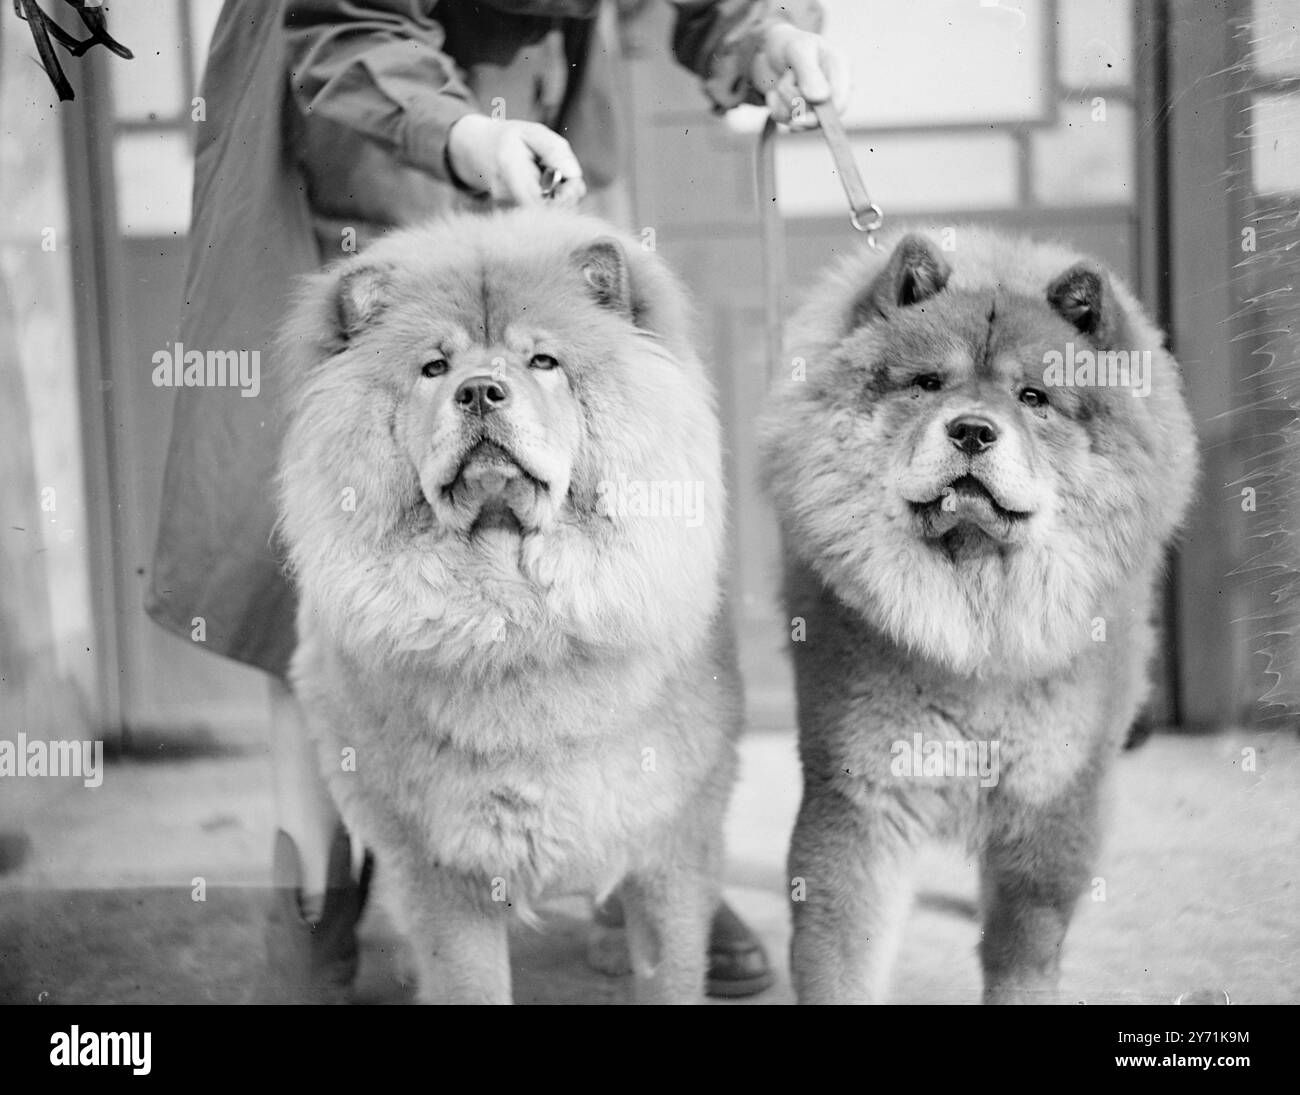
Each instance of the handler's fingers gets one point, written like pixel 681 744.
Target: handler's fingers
pixel 569 193
pixel 519 175
pixel 553 150
pixel 804 56
pixel 789 106
pixel 763 76
pixel 778 107
pixel 837 74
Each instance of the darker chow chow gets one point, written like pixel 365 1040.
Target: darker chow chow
pixel 975 536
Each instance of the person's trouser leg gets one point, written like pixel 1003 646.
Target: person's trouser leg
pixel 303 807
pixel 317 891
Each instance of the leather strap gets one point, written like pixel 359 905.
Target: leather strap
pixel 864 215
pixel 772 234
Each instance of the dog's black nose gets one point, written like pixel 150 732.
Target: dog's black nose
pixel 972 434
pixel 481 395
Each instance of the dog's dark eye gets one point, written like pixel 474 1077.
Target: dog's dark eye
pixel 433 368
pixel 1033 397
pixel 542 361
pixel 928 382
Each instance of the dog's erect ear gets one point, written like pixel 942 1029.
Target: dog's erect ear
pixel 359 298
pixel 914 273
pixel 603 266
pixel 1084 297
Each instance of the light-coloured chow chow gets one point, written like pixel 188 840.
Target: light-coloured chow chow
pixel 975 519
pixel 502 495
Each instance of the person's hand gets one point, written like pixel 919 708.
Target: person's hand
pixel 796 69
pixel 506 159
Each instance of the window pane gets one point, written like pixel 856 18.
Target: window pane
pixel 906 174
pixel 149 85
pixel 942 61
pixel 154 177
pixel 1087 159
pixel 1095 43
pixel 40 362
pixel 1275 143
pixel 1275 38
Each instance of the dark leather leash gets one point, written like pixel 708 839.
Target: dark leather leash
pixel 864 215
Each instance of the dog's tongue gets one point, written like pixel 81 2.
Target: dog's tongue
pixel 489 470
pixel 963 503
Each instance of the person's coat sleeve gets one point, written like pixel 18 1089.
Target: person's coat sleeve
pixel 379 68
pixel 717 40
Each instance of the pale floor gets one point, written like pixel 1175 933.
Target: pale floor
pixel 1201 871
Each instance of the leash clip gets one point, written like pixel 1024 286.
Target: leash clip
pixel 874 220
pixel 864 214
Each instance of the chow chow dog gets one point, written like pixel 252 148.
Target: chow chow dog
pixel 502 500
pixel 974 524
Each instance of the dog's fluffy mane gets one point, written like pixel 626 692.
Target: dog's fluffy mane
pixel 1024 613
pixel 387 585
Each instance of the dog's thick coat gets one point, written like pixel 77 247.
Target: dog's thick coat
pixel 513 649
pixel 974 538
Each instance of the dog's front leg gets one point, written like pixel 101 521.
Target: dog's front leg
pixel 850 890
pixel 1036 863
pixel 458 934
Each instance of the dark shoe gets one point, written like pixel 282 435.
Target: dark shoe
pixel 607 951
pixel 313 962
pixel 738 964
